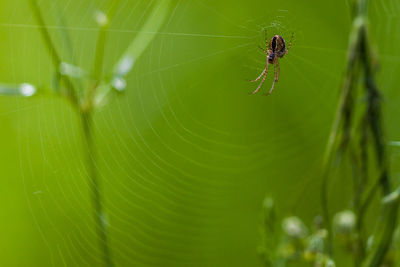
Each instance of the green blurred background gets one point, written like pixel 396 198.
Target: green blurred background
pixel 185 155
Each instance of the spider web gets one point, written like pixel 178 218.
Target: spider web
pixel 185 155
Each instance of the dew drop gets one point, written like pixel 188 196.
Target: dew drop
pixel 101 18
pixel 119 84
pixel 27 89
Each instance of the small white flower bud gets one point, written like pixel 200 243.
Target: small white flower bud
pixel 294 227
pixel 330 263
pixel 344 222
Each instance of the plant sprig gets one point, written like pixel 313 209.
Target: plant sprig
pixel 100 87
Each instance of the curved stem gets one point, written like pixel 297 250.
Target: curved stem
pixel 341 125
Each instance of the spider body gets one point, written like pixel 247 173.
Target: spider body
pixel 276 50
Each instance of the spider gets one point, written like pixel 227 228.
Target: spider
pixel 276 49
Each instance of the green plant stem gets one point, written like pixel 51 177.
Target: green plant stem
pixel 87 110
pixel 360 59
pixel 97 202
pixel 86 118
pixel 359 178
pixel 70 90
pixel 374 113
pixel 341 123
pixel 386 229
pixel 97 66
pixel 85 105
pixel 99 57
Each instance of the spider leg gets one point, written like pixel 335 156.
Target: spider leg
pixel 276 74
pixel 278 69
pixel 259 86
pixel 262 49
pixel 290 43
pixel 266 38
pixel 262 73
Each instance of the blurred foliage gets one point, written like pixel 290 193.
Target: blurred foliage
pixel 358 137
pixel 185 155
pixel 294 245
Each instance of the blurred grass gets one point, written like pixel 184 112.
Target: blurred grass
pixel 186 155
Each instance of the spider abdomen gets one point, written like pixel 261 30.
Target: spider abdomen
pixel 277 45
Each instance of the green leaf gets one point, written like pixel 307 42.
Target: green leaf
pixel 143 39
